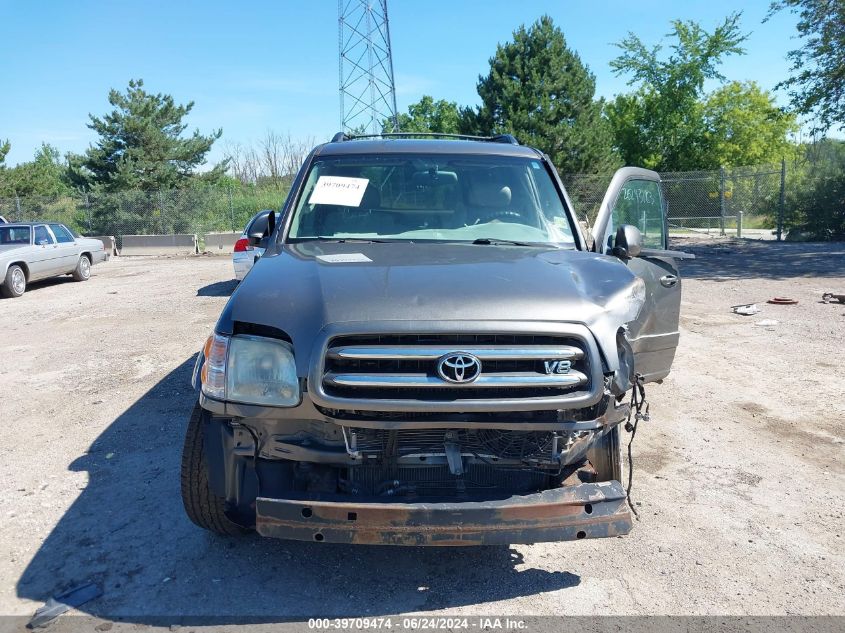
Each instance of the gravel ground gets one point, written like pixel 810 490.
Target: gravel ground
pixel 739 475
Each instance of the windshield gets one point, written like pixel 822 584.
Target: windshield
pixel 410 197
pixel 14 235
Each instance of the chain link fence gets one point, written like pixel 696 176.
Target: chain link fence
pixel 722 201
pixel 196 210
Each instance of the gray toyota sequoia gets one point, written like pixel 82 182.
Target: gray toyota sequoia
pixel 430 352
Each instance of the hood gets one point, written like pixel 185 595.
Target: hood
pixel 307 286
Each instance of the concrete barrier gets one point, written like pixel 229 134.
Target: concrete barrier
pixel 180 244
pixel 220 243
pixel 109 243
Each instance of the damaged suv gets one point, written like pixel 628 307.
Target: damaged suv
pixel 430 353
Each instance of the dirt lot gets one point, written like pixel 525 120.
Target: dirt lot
pixel 740 477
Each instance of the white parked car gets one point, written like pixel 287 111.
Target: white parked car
pixel 30 251
pixel 250 246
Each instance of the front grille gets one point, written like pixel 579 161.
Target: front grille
pixel 405 367
pixel 483 443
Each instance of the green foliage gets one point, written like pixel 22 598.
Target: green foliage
pixel 428 115
pixel 662 125
pixel 199 208
pixel 816 192
pixel 541 92
pixel 817 84
pixel 5 146
pixel 141 144
pixel 42 176
pixel 744 127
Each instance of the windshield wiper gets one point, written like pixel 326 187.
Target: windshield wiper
pixel 495 241
pixel 354 240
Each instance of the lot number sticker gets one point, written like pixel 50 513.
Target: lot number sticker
pixel 344 258
pixel 339 190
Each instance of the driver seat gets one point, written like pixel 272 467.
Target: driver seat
pixel 484 199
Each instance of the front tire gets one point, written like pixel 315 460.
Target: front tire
pixel 82 272
pixel 202 506
pixel 15 283
pixel 606 456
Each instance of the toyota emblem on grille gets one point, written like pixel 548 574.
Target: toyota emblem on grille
pixel 458 367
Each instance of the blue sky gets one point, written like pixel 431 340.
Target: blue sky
pixel 251 66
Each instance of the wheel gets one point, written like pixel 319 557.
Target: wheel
pixel 202 506
pixel 82 272
pixel 15 283
pixel 505 216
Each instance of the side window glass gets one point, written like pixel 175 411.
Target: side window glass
pixel 63 236
pixel 640 203
pixel 42 235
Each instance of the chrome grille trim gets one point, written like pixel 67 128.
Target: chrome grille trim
pixel 482 352
pixel 457 336
pixel 488 381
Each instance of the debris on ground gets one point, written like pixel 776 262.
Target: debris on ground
pixel 830 297
pixel 766 323
pixel 57 605
pixel 747 309
pixel 783 301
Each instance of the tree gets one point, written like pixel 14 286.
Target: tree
pixel 141 144
pixel 541 92
pixel 744 127
pixel 817 84
pixel 275 160
pixel 661 125
pixel 428 115
pixel 43 176
pixel 5 146
pixel 816 192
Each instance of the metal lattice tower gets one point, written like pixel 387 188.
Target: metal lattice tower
pixel 367 90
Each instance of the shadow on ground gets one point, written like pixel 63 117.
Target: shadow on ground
pixel 44 284
pixel 734 259
pixel 218 289
pixel 127 531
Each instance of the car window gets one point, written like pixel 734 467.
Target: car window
pixel 415 197
pixel 640 203
pixel 42 235
pixel 63 236
pixel 14 235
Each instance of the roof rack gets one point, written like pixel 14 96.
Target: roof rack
pixel 499 138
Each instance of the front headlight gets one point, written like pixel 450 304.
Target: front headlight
pixel 250 370
pixel 627 303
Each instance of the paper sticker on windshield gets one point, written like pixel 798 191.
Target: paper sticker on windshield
pixel 339 190
pixel 344 258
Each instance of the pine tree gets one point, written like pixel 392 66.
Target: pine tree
pixel 541 92
pixel 141 144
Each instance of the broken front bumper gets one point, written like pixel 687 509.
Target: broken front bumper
pixel 588 510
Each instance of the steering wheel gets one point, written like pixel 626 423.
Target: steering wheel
pixel 504 214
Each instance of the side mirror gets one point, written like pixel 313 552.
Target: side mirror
pixel 42 242
pixel 628 242
pixel 255 238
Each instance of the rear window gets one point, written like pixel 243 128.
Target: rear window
pixel 14 235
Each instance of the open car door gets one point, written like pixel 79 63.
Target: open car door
pixel 635 197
